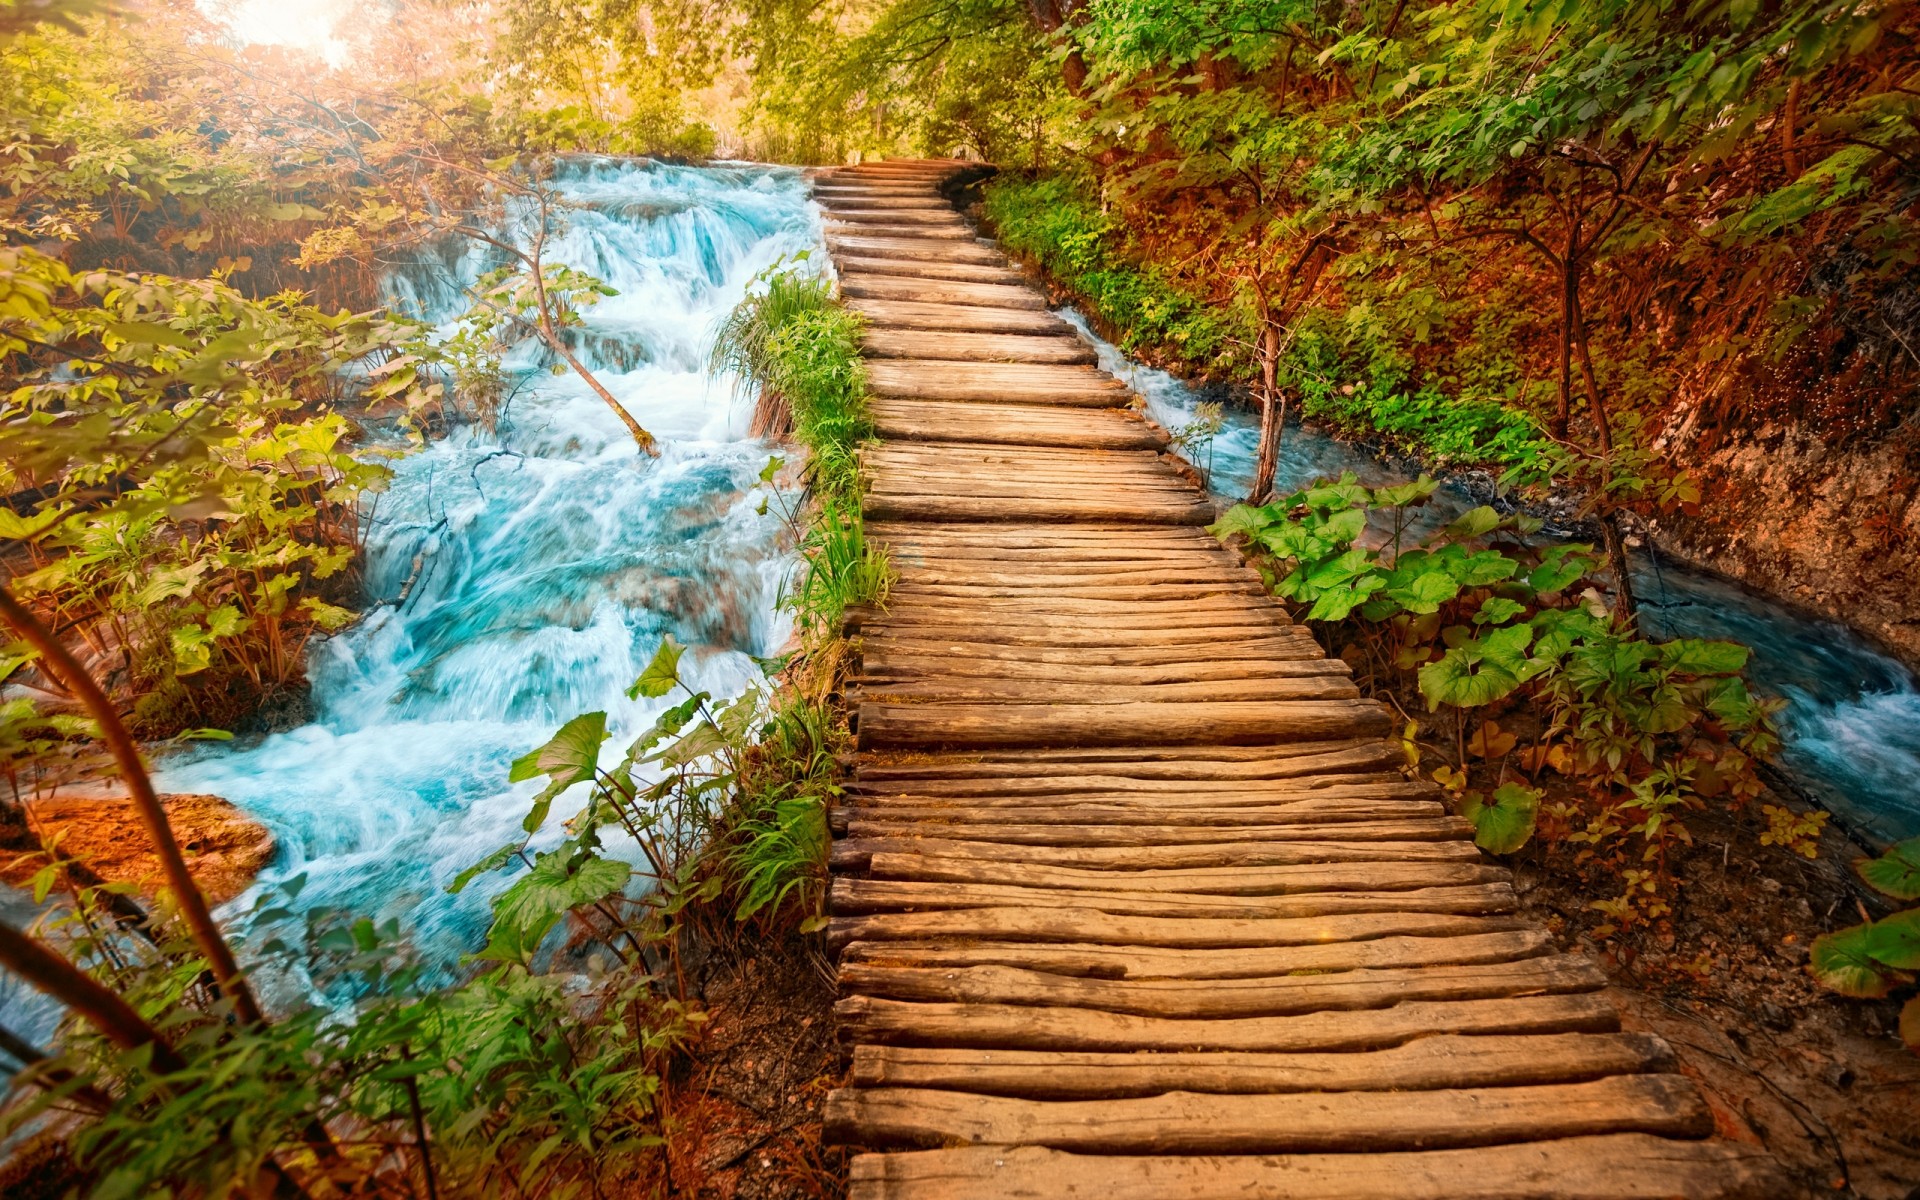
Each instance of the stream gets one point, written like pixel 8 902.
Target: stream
pixel 1851 725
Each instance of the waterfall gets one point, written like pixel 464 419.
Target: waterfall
pixel 547 559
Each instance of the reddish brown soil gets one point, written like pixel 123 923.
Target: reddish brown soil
pixel 1820 1080
pixel 225 848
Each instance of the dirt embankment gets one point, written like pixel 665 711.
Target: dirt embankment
pixel 225 848
pixel 1833 529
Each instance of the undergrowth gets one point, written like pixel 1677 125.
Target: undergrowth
pixel 544 1070
pixel 1352 370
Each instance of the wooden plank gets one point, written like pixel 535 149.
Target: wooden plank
pixel 865 286
pixel 1212 881
pixel 883 647
pixel 854 853
pixel 1225 999
pixel 971 347
pixel 870 198
pixel 1115 724
pixel 1142 962
pixel 1100 928
pixel 1091 836
pixel 1027 383
pixel 909 268
pixel 1627 1166
pixel 915 249
pixel 1427 1064
pixel 954 771
pixel 1036 508
pixel 859 215
pixel 861 896
pixel 1033 691
pixel 947 231
pixel 1024 424
pixel 959 817
pixel 1338 1122
pixel 1020 1027
pixel 975 318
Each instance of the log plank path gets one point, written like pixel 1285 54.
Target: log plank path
pixel 1130 898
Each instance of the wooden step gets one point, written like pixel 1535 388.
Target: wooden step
pixel 1013 424
pixel 1628 1166
pixel 1139 962
pixel 915 249
pixel 864 285
pixel 975 347
pixel 1428 1064
pixel 966 318
pixel 990 382
pixel 937 270
pixel 1334 1122
pixel 1027 1027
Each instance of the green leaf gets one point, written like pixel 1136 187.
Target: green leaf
pixel 1498 610
pixel 1696 656
pixel 661 674
pixel 1405 494
pixel 572 754
pixel 492 862
pixel 1897 872
pixel 1426 591
pixel 1841 963
pixel 1472 524
pixel 1503 822
pixel 1242 518
pixel 1895 941
pixel 772 468
pixel 527 911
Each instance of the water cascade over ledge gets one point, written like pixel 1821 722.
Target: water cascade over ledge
pixel 526 575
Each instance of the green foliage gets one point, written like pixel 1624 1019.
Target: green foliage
pixel 1053 220
pixel 523 1084
pixel 792 338
pixel 1873 959
pixel 193 495
pixel 1479 622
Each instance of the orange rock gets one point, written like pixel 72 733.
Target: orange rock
pixel 225 848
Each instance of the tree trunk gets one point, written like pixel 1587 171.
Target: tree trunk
pixel 60 663
pixel 1273 416
pixel 1625 605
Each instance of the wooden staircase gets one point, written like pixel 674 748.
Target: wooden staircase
pixel 1130 897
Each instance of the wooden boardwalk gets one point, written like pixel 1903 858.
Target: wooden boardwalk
pixel 1130 898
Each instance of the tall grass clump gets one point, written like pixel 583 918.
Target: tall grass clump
pixel 792 337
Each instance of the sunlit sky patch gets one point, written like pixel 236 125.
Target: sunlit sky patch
pixel 296 24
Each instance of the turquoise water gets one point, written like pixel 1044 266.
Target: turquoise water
pixel 551 559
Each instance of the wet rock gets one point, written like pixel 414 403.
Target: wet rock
pixel 225 848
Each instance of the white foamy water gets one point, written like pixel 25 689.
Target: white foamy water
pixel 551 558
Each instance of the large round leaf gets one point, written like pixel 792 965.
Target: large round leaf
pixel 1897 872
pixel 1841 962
pixel 1503 822
pixel 1895 941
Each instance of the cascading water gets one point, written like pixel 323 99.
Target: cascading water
pixel 527 575
pixel 1851 726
